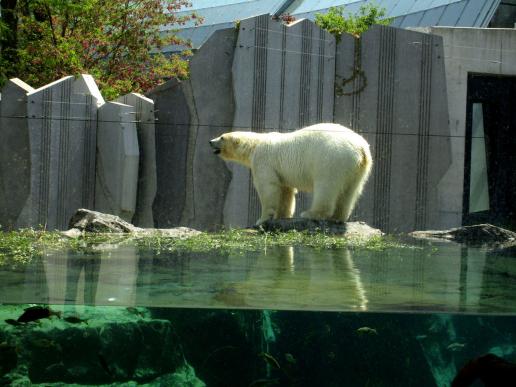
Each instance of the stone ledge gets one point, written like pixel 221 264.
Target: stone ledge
pixel 348 229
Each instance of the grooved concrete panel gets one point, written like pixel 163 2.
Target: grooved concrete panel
pixel 283 81
pixel 62 118
pixel 390 87
pixel 117 160
pixel 14 151
pixel 172 118
pixel 208 176
pixel 143 108
pixel 192 181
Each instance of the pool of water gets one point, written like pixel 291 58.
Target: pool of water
pixel 282 316
pixel 442 277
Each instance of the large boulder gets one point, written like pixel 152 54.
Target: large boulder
pixel 93 221
pixel 480 234
pixel 348 229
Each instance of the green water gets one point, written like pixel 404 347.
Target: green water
pixel 285 316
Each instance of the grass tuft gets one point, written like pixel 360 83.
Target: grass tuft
pixel 18 248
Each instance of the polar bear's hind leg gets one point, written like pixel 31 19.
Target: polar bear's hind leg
pixel 325 195
pixel 354 187
pixel 287 204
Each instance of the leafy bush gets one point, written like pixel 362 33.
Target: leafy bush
pixel 337 24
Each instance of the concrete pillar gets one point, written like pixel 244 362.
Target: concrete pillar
pixel 118 155
pixel 191 180
pixel 144 115
pixel 15 161
pixel 62 120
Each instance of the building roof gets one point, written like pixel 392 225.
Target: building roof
pixel 411 13
pixel 219 14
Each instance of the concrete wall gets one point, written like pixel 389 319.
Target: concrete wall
pixel 266 76
pixel 117 160
pixel 283 80
pixel 64 148
pixel 145 124
pixel 15 159
pixel 390 87
pixel 62 134
pixel 467 50
pixel 192 181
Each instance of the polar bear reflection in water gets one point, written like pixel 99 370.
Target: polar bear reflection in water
pixel 329 160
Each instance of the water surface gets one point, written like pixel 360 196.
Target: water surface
pixel 442 277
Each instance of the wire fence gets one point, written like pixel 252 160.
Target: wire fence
pixel 229 127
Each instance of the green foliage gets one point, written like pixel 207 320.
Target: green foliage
pixel 119 42
pixel 337 24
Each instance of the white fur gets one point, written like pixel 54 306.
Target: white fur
pixel 329 160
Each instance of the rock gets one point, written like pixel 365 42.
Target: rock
pixel 349 229
pixel 176 232
pixel 72 233
pixel 508 249
pixel 93 221
pixel 113 344
pixel 479 234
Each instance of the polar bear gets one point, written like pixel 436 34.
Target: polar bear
pixel 327 159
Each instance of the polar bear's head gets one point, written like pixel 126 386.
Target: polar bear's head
pixel 236 146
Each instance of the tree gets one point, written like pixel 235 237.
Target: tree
pixel 8 37
pixel 335 23
pixel 119 42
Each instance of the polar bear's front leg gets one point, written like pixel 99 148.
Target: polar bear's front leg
pixel 269 192
pixel 269 200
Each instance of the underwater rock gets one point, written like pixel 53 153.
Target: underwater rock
pixel 351 229
pixel 34 313
pixel 492 370
pixel 114 346
pixel 479 234
pixel 508 249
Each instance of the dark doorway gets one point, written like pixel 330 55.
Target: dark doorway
pixel 490 157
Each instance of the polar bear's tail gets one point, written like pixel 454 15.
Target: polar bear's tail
pixel 357 183
pixel 366 163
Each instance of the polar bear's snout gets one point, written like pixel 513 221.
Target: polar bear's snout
pixel 215 144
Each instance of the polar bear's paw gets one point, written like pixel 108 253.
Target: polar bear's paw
pixel 269 215
pixel 315 215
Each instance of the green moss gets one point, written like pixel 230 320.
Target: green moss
pixel 20 247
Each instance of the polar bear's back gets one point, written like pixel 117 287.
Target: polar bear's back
pixel 332 135
pixel 326 145
pixel 323 151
